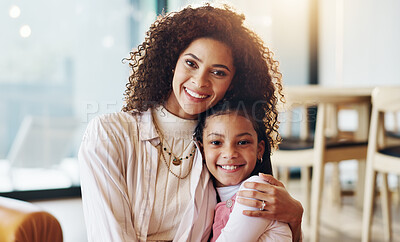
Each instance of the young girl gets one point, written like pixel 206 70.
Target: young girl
pixel 236 149
pixel 141 177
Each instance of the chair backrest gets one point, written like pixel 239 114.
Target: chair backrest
pixel 42 141
pixel 384 100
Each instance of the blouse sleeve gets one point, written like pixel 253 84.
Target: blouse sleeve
pixel 108 212
pixel 244 228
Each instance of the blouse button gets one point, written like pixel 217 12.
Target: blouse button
pixel 229 203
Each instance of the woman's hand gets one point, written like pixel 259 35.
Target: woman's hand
pixel 279 204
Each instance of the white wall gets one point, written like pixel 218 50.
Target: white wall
pixel 284 27
pixel 359 42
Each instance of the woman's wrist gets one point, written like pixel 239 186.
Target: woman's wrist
pixel 295 224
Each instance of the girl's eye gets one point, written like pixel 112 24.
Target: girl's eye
pixel 219 73
pixel 191 63
pixel 215 142
pixel 243 142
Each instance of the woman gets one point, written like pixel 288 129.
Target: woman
pixel 141 178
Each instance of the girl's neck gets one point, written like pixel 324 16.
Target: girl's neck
pixel 227 192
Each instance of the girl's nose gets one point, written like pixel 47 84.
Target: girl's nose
pixel 229 152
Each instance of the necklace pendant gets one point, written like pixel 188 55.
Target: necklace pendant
pixel 176 161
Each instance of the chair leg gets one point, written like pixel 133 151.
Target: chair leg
pixel 316 194
pixel 369 197
pixel 398 190
pixel 284 175
pixel 335 185
pixel 359 192
pixel 385 198
pixel 306 184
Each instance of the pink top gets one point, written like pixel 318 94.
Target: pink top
pixel 221 217
pixel 231 225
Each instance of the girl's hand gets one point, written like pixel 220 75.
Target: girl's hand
pixel 279 204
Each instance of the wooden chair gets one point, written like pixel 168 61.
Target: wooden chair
pixel 24 221
pixel 327 145
pixel 382 158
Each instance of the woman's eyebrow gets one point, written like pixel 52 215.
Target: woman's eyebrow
pixel 199 60
pixel 194 57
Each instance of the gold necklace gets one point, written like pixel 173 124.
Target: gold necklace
pixel 176 160
pixel 169 168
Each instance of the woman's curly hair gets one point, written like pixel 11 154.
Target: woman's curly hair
pixel 257 76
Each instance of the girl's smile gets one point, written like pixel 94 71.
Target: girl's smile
pixel 231 148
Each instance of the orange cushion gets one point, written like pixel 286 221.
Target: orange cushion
pixel 23 221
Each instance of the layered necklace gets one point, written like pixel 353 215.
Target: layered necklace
pixel 165 150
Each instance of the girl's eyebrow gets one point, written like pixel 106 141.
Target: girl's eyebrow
pixel 243 134
pixel 216 134
pixel 199 60
pixel 221 135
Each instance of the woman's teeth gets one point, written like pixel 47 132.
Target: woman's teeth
pixel 193 94
pixel 229 167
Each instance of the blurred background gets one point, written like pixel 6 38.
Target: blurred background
pixel 61 65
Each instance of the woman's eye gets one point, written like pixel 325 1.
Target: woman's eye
pixel 191 63
pixel 219 73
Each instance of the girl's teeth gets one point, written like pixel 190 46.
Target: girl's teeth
pixel 193 94
pixel 229 167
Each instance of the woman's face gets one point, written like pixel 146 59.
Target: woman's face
pixel 231 148
pixel 202 76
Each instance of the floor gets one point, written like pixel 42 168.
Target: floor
pixel 338 223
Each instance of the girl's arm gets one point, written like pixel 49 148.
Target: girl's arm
pixel 280 205
pixel 104 194
pixel 245 228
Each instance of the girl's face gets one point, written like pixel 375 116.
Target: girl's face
pixel 230 148
pixel 202 75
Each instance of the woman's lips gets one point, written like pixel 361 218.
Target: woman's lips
pixel 194 94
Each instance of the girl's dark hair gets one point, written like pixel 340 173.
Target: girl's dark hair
pixel 152 64
pixel 249 110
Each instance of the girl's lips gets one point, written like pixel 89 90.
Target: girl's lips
pixel 230 168
pixel 194 95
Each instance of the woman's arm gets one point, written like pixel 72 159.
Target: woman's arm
pixel 279 204
pixel 244 228
pixel 104 194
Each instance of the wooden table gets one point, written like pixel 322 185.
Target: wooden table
pixel 331 100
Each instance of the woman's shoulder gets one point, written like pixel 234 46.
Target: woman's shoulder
pixel 117 123
pixel 118 118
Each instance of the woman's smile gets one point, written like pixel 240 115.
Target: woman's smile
pixel 202 75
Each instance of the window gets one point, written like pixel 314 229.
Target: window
pixel 60 66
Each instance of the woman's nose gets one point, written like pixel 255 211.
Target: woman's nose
pixel 201 79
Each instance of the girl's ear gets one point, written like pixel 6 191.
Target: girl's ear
pixel 260 149
pixel 201 147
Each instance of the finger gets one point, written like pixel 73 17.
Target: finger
pixel 253 195
pixel 258 213
pixel 271 180
pixel 258 186
pixel 251 203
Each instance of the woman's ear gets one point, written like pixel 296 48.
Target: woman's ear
pixel 260 149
